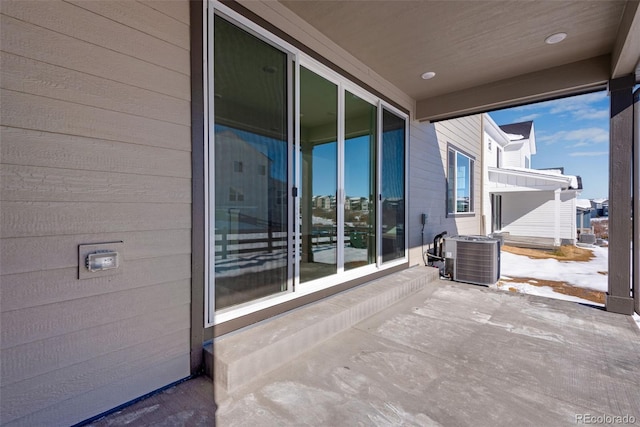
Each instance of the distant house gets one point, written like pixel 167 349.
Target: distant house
pixel 584 212
pixel 520 202
pixel 601 207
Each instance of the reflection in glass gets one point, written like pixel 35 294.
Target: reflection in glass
pixel 393 197
pixel 459 183
pixel 463 183
pixel 318 143
pixel 359 182
pixel 251 160
pixel 451 185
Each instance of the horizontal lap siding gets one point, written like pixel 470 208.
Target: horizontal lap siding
pixel 528 214
pixel 533 213
pixel 428 180
pixel 464 134
pixel 95 147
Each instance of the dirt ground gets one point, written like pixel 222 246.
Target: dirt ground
pixel 558 286
pixel 563 253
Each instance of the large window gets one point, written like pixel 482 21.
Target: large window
pixel 459 182
pixel 306 174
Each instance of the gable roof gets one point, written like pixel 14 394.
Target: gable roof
pixel 522 128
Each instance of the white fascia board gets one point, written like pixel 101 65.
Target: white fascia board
pixel 494 131
pixel 560 179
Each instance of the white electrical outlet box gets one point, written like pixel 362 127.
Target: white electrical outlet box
pixel 100 259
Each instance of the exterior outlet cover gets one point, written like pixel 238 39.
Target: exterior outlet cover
pixel 100 259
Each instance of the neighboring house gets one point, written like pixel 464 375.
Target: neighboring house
pixel 584 213
pixel 523 204
pixel 600 207
pixel 163 130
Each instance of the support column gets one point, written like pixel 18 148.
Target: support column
pixel 636 198
pixel 556 218
pixel 618 299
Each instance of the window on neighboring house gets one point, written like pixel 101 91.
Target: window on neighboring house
pixel 526 162
pixel 237 166
pixel 235 195
pixel 262 170
pixel 459 183
pixel 499 158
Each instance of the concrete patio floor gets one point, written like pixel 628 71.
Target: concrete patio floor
pixel 449 355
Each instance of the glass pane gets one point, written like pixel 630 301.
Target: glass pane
pixel 359 182
pixel 251 162
pixel 318 143
pixel 463 184
pixel 393 197
pixel 451 182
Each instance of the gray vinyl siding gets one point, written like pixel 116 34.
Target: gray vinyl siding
pixel 428 180
pixel 95 147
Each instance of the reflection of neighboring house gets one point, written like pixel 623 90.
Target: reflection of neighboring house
pixel 600 207
pixel 323 202
pixel 357 204
pixel 584 211
pixel 242 189
pixel 520 202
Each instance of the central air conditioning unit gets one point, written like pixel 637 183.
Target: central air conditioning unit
pixel 472 259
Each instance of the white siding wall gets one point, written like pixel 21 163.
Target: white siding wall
pixel 513 159
pixel 95 148
pixel 532 214
pixel 428 179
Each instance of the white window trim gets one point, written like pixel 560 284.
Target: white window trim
pixel 472 183
pixel 213 317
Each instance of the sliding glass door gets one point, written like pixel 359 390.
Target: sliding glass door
pixel 306 174
pixel 359 182
pixel 319 175
pixel 251 163
pixel 393 186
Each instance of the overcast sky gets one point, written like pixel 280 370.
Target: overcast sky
pixel 572 133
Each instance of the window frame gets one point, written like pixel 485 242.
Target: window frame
pixel 452 183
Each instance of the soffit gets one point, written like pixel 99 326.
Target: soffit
pixel 469 44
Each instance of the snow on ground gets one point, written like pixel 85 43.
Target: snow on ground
pixel 575 273
pixel 543 291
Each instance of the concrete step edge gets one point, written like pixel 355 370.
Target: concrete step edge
pixel 232 374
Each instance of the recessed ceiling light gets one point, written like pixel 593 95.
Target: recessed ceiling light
pixel 555 38
pixel 428 75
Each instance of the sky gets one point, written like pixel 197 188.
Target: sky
pixel 572 133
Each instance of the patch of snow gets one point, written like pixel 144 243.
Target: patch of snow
pixel 543 291
pixel 321 221
pixel 575 273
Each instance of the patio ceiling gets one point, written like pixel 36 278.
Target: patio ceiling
pixel 486 54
